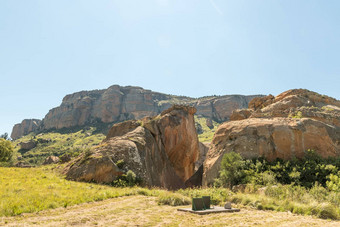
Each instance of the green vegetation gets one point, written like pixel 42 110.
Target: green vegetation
pixel 309 186
pixel 58 144
pixel 327 108
pixel 297 115
pixel 127 180
pixel 232 170
pixel 4 136
pixel 30 190
pixel 173 199
pixel 303 172
pixel 26 190
pixel 205 134
pixel 6 150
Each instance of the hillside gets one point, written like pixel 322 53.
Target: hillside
pixel 56 144
pixel 117 104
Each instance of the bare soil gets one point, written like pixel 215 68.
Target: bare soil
pixel 144 211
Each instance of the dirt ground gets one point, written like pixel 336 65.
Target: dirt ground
pixel 144 211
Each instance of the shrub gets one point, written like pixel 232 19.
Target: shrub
pixel 126 180
pixel 333 184
pixel 304 172
pixel 232 170
pixel 6 150
pixel 120 163
pixel 131 178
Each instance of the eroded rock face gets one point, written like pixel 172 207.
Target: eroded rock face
pixel 161 151
pixel 25 127
pixel 110 105
pixel 283 127
pixel 118 103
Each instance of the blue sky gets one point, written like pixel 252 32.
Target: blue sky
pixel 185 47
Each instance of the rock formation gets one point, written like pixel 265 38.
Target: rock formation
pixel 283 127
pixel 161 151
pixel 118 103
pixel 25 127
pixel 51 160
pixel 28 145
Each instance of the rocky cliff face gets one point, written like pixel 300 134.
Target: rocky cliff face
pixel 162 151
pixel 283 127
pixel 25 127
pixel 118 103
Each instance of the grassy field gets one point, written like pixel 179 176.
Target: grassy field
pixel 144 211
pixel 27 190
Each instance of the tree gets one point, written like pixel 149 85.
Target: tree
pixel 232 169
pixel 5 136
pixel 6 150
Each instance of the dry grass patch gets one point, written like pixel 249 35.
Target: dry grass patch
pixel 144 211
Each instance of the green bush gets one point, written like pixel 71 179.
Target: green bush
pixel 304 172
pixel 131 178
pixel 120 163
pixel 6 150
pixel 333 184
pixel 127 180
pixel 232 170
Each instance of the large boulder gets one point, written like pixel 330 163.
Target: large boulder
pixel 285 127
pixel 161 151
pixel 28 145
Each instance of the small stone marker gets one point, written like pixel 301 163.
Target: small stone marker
pixel 227 205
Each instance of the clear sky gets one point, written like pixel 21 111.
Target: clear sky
pixel 185 47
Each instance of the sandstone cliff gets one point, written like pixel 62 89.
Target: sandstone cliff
pixel 118 103
pixel 25 127
pixel 162 151
pixel 283 127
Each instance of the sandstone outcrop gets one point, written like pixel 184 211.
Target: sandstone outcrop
pixel 283 127
pixel 118 103
pixel 51 160
pixel 161 151
pixel 25 127
pixel 28 145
